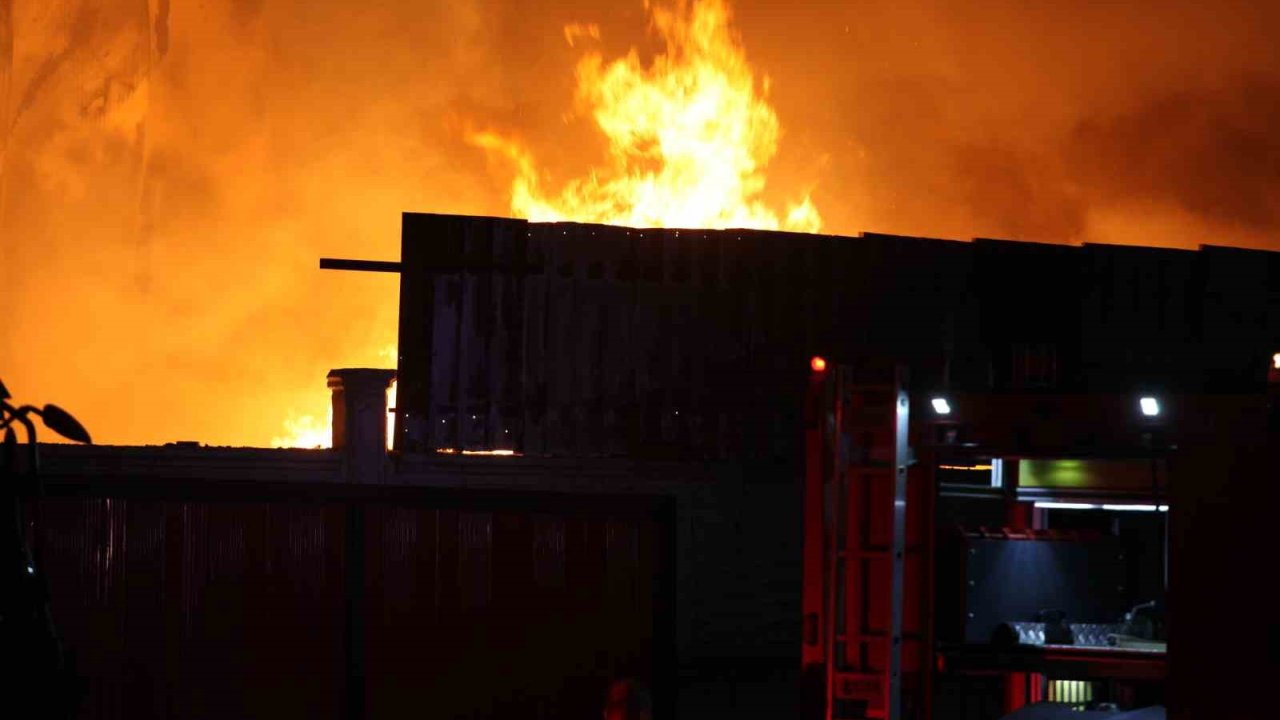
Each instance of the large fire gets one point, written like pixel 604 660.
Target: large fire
pixel 689 136
pixel 170 170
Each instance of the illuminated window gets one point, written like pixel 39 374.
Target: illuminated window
pixel 1076 693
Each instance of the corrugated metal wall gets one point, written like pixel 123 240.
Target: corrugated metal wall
pixel 261 598
pixel 504 614
pixel 199 609
pixel 567 339
pixel 587 340
pixel 183 609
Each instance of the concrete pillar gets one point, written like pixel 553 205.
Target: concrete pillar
pixel 360 420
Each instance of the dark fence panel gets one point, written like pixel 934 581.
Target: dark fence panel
pixel 193 610
pixel 240 608
pixel 505 614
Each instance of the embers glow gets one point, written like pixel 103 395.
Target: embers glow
pixel 689 136
pixel 306 431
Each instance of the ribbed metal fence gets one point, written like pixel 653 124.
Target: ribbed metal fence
pixel 377 608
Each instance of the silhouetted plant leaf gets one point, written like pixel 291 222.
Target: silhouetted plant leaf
pixel 9 450
pixel 61 422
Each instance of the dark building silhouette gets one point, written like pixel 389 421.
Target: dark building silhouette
pixel 587 340
pixel 650 385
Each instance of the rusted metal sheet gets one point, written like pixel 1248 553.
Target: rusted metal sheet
pixel 612 286
pixel 475 330
pixel 506 375
pixel 447 352
pixel 563 326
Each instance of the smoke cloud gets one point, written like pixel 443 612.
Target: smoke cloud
pixel 171 170
pixel 1141 123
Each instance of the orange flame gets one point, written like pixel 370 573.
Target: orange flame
pixel 307 431
pixel 689 137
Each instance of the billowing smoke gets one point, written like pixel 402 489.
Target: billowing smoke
pixel 1143 123
pixel 170 170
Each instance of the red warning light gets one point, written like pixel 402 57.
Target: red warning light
pixel 818 364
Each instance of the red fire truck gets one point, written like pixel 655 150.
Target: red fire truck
pixel 988 555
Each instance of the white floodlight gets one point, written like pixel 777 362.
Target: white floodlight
pixel 1150 406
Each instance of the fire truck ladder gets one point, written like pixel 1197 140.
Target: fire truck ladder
pixel 855 541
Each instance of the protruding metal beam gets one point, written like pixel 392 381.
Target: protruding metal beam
pixel 385 266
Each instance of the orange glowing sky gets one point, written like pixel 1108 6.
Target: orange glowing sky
pixel 170 170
